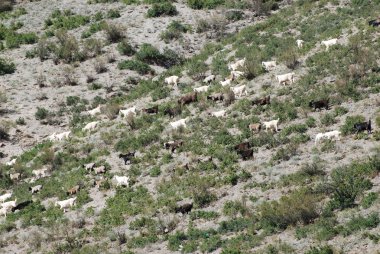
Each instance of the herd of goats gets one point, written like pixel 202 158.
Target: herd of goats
pixel 243 149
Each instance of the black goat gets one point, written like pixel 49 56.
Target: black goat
pixel 366 126
pixel 319 104
pixel 246 154
pixel 22 205
pixel 127 157
pixel 185 208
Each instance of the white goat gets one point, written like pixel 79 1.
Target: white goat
pixel 100 169
pixel 269 65
pixel 35 189
pixel 5 197
pixel 285 78
pixel 329 43
pixel 226 82
pixel 209 79
pixel 219 113
pixel 172 80
pixel 90 126
pixel 175 125
pixel 236 74
pixel 239 90
pixel 201 89
pixel 94 111
pixel 40 172
pixel 62 136
pixel 121 180
pixel 236 65
pixel 126 112
pixel 271 124
pixel 300 43
pixel 66 203
pixel 11 162
pixel 15 176
pixel 327 135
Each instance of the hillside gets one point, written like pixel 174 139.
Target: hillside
pixel 70 69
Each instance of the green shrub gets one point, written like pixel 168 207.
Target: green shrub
pixel 114 33
pixel 152 55
pixel 113 14
pixel 135 65
pixel 369 199
pixel 299 207
pixel 207 215
pixel 125 48
pixel 65 20
pixel 347 184
pixel 233 208
pixel 6 5
pixel 327 119
pixel 162 9
pixel 204 4
pixel 6 67
pixel 320 250
pixel 67 48
pixel 41 113
pixel 289 57
pixel 359 223
pixel 154 172
pixel 234 15
pixel 348 127
pixel 174 31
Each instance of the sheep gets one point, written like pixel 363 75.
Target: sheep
pixel 15 176
pixel 121 180
pixel 66 203
pixel 5 197
pixel 271 124
pixel 286 77
pixel 11 162
pixel 209 79
pixel 94 111
pixel 329 43
pixel 201 89
pixel 40 172
pixel 327 135
pixel 90 126
pixel 175 125
pixel 35 189
pixel 255 127
pixel 219 113
pixel 173 145
pixel 100 169
pixel 239 90
pixel 126 112
pixel 236 65
pixel 268 65
pixel 300 43
pixel 172 80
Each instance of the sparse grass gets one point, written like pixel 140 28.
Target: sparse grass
pixel 162 9
pixel 135 65
pixel 6 67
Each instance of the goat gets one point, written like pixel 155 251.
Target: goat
pixel 5 196
pixel 285 78
pixel 90 126
pixel 201 89
pixel 271 124
pixel 89 166
pixel 172 80
pixel 126 112
pixel 66 203
pixel 121 180
pixel 239 90
pixel 173 145
pixel 262 101
pixel 182 122
pixel 255 127
pixel 327 135
pixel 152 110
pixel 94 111
pixel 269 65
pixel 216 97
pixel 366 126
pixel 35 189
pixel 187 99
pixel 15 176
pixel 184 209
pixel 172 112
pixel 100 170
pixel 300 43
pixel 220 113
pixel 11 162
pixel 329 43
pixel 209 79
pixel 319 104
pixel 73 190
pixel 127 157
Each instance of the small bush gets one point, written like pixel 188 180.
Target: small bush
pixel 234 15
pixel 162 9
pixel 6 67
pixel 41 113
pixel 125 48
pixel 289 57
pixel 174 31
pixel 347 184
pixel 6 5
pixel 114 33
pixel 204 4
pixel 327 119
pixel 299 207
pixel 134 65
pixel 320 250
pixel 369 199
